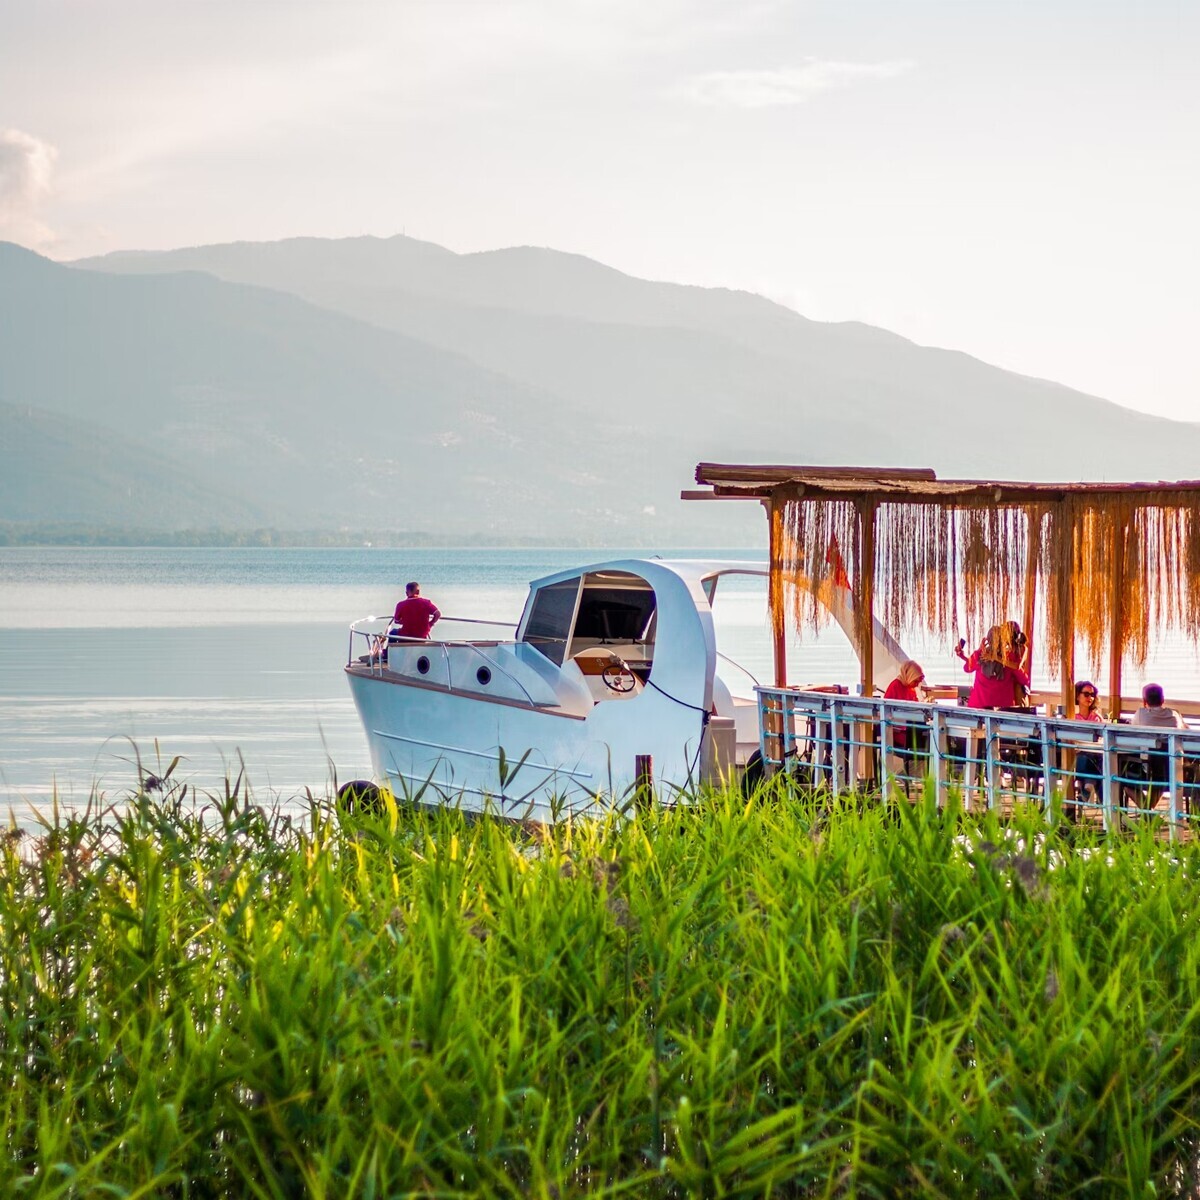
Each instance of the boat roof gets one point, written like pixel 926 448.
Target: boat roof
pixel 690 570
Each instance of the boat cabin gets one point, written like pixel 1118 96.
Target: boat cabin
pixel 598 627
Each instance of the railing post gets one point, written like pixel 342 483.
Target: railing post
pixel 835 749
pixel 885 747
pixel 1048 771
pixel 940 742
pixel 787 729
pixel 1175 782
pixel 765 701
pixel 991 772
pixel 1112 787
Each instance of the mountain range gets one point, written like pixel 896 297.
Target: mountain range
pixel 369 384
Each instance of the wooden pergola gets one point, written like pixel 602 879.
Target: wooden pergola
pixel 1110 562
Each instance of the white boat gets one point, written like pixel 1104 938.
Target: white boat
pixel 611 665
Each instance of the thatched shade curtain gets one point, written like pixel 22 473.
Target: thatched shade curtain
pixel 954 569
pixel 1108 562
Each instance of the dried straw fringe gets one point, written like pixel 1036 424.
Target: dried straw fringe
pixel 1103 564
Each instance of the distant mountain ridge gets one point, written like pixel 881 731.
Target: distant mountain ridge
pixel 316 384
pixel 590 334
pixel 302 417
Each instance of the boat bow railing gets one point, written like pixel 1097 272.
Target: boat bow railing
pixel 369 635
pixel 374 635
pixel 844 743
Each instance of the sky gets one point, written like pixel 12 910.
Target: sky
pixel 1018 179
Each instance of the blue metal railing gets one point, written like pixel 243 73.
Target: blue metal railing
pixel 848 743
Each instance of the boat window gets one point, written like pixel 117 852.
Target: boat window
pixel 549 623
pixel 614 614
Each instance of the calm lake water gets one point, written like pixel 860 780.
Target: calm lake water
pixel 222 656
pixel 230 656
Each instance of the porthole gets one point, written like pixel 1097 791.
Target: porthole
pixel 484 675
pixel 423 665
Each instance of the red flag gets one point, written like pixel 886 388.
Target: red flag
pixel 834 559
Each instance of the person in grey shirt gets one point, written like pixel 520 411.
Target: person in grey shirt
pixel 1154 713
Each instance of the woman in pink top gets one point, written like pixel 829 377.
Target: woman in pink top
pixel 1000 679
pixel 1089 766
pixel 1087 702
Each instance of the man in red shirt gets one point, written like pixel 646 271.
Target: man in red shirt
pixel 414 616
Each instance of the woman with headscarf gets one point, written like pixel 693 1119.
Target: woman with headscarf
pixel 904 687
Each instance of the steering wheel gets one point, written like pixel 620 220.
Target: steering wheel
pixel 617 677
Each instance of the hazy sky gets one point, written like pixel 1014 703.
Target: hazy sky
pixel 1019 179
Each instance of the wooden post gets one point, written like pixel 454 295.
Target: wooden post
pixel 772 714
pixel 775 588
pixel 1116 621
pixel 866 594
pixel 1033 551
pixel 643 773
pixel 1066 653
pixel 866 633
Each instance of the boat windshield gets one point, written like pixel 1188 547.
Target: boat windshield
pixel 600 608
pixel 550 618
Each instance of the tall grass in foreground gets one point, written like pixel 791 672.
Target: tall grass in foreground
pixel 763 998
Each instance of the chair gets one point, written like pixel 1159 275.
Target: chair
pixel 1022 755
pixel 1145 776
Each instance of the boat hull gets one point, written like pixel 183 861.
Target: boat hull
pixel 437 746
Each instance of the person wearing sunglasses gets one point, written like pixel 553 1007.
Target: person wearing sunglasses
pixel 1087 702
pixel 1088 766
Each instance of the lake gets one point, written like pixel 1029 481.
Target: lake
pixel 228 656
pixel 223 656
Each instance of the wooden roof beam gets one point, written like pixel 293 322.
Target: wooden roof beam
pixel 947 493
pixel 723 495
pixel 725 472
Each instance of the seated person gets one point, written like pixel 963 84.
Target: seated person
pixel 905 738
pixel 414 616
pixel 1154 714
pixel 904 687
pixel 1087 702
pixel 1089 767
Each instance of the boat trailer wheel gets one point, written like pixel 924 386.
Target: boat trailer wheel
pixel 617 677
pixel 361 796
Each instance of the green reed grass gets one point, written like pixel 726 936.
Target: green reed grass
pixel 732 998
